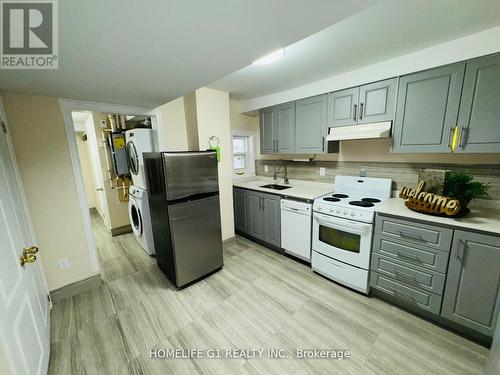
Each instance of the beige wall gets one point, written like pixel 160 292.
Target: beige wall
pixel 172 132
pixel 37 129
pixel 191 121
pixel 87 173
pixel 212 108
pixel 117 211
pixel 4 365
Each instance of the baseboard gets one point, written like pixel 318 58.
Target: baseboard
pixel 118 231
pixel 73 289
pixel 230 239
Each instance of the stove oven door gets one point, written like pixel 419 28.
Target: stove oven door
pixel 341 239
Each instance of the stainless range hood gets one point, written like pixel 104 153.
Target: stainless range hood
pixel 365 131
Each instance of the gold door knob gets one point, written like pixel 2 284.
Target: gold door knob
pixel 30 250
pixel 27 259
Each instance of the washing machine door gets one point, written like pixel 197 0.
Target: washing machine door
pixel 135 217
pixel 133 158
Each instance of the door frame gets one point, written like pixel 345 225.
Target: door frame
pixel 24 201
pixel 69 105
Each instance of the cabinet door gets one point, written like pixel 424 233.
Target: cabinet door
pixel 267 143
pixel 344 107
pixel 310 125
pixel 479 117
pixel 377 101
pixel 472 285
pixel 284 119
pixel 272 219
pixel 255 215
pixel 240 210
pixel 427 109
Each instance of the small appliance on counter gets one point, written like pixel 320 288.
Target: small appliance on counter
pixel 343 228
pixel 183 190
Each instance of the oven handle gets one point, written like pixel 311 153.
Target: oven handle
pixel 342 222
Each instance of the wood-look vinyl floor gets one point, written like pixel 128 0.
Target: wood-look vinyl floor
pixel 260 299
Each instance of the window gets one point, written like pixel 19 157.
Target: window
pixel 243 154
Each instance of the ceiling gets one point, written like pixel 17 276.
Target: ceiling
pixel 151 51
pixel 388 29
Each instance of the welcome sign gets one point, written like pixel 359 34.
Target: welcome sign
pixel 429 203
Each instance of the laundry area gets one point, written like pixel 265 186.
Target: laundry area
pixel 110 149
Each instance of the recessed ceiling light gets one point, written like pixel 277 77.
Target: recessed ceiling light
pixel 270 58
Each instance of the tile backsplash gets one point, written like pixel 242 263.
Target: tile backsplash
pixel 402 174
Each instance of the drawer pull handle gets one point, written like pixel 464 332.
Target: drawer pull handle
pixel 404 276
pixel 404 295
pixel 412 257
pixel 415 236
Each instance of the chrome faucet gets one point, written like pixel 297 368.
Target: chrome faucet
pixel 284 172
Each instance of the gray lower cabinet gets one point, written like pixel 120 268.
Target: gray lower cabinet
pixel 471 295
pixel 240 210
pixel 427 109
pixel 311 124
pixel 479 116
pixel 452 274
pixel 258 215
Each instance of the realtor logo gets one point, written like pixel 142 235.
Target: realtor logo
pixel 29 34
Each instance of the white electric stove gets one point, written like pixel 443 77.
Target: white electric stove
pixel 343 229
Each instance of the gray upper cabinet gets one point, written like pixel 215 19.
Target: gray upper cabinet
pixel 471 294
pixel 377 101
pixel 277 127
pixel 479 117
pixel 427 109
pixel 266 131
pixel 284 118
pixel 311 124
pixel 344 107
pixel 374 102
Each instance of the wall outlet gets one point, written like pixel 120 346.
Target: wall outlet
pixel 266 168
pixel 322 171
pixel 63 263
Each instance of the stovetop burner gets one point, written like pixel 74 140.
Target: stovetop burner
pixel 340 195
pixel 330 199
pixel 361 204
pixel 371 200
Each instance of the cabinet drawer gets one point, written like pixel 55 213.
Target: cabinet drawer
pixel 410 275
pixel 412 296
pixel 421 256
pixel 432 236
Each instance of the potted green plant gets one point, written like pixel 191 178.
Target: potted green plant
pixel 460 185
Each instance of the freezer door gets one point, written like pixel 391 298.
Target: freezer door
pixel 190 173
pixel 196 238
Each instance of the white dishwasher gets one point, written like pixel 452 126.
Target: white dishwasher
pixel 296 222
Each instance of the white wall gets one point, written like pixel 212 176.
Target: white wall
pixel 37 129
pixel 212 108
pixel 172 132
pixel 87 169
pixel 474 45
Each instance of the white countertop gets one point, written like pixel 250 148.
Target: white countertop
pixel 299 188
pixel 484 215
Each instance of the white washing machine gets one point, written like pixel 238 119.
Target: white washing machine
pixel 138 142
pixel 138 211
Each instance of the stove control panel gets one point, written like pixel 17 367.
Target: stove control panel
pixel 347 213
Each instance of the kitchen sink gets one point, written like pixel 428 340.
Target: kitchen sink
pixel 275 187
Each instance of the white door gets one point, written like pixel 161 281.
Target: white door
pixel 24 307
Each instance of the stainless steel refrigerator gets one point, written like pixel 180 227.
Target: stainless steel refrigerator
pixel 184 206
